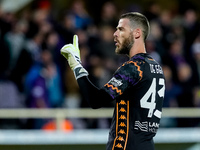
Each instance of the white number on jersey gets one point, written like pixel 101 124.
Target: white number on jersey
pixel 151 93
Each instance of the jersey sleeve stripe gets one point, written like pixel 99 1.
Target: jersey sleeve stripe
pixel 114 88
pixel 122 125
pixel 127 125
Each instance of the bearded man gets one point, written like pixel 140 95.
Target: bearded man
pixel 137 87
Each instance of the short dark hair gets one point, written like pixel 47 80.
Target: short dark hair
pixel 138 20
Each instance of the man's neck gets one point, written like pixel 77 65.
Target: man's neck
pixel 138 47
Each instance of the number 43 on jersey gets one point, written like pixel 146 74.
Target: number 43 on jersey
pixel 151 93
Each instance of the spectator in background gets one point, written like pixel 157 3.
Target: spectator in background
pixel 151 49
pixel 108 15
pixel 43 84
pixel 34 46
pixel 177 29
pixel 15 40
pixel 156 37
pixel 191 31
pixel 153 11
pixel 165 20
pixel 52 43
pixel 175 57
pixel 81 16
pixel 36 20
pixel 29 54
pixel 6 22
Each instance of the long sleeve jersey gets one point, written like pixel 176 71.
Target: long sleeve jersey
pixel 138 88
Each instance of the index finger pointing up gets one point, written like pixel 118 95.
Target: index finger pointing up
pixel 75 41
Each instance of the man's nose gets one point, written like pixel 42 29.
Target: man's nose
pixel 115 34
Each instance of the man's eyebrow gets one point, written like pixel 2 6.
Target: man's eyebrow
pixel 120 28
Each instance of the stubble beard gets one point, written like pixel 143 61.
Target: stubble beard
pixel 125 46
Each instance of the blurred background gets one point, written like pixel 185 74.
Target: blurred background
pixel 35 76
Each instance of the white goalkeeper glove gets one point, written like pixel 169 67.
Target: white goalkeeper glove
pixel 72 54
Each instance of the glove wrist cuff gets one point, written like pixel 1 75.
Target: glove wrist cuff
pixel 79 71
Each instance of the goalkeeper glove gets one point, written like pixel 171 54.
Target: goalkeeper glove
pixel 72 54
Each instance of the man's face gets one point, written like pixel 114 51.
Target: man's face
pixel 123 37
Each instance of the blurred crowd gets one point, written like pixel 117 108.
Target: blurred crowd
pixel 33 73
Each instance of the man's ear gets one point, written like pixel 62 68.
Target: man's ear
pixel 137 33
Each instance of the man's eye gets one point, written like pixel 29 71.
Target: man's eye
pixel 120 29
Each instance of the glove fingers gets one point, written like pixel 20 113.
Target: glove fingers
pixel 75 41
pixel 67 48
pixel 66 55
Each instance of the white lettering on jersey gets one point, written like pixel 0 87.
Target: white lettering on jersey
pixel 156 69
pixel 115 82
pixel 146 126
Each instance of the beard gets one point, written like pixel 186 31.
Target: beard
pixel 125 46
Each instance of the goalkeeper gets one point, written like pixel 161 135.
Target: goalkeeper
pixel 137 87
